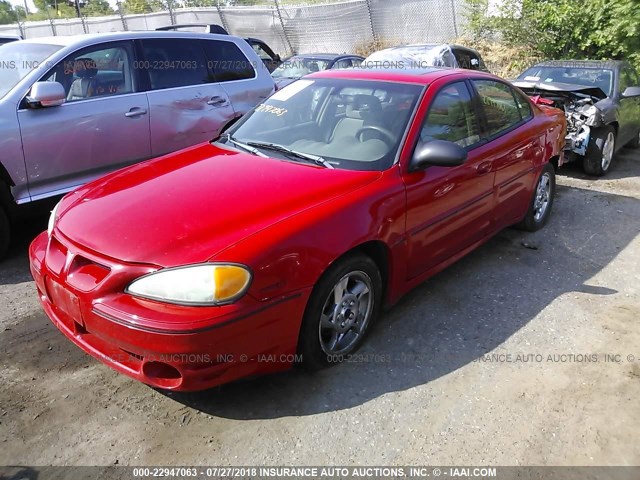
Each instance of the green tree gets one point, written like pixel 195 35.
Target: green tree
pixel 7 13
pixel 97 8
pixel 562 29
pixel 144 6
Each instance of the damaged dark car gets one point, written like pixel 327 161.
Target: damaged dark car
pixel 601 100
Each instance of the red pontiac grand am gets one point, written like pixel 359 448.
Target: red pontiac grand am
pixel 285 237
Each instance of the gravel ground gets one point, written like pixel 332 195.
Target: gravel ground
pixel 501 360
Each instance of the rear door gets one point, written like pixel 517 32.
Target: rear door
pixel 103 125
pixel 513 146
pixel 187 105
pixel 239 73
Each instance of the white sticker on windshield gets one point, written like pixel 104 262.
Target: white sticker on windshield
pixel 531 79
pixel 290 90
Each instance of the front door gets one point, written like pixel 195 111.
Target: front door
pixel 103 125
pixel 448 209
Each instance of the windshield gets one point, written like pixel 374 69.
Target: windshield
pixel 349 124
pixel 588 77
pixel 296 67
pixel 17 59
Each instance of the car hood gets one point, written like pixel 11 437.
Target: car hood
pixel 529 87
pixel 185 207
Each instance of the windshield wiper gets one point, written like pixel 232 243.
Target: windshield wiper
pixel 293 153
pixel 243 146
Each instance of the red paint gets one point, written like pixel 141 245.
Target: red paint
pixel 288 222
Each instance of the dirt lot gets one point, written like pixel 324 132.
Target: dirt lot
pixel 498 360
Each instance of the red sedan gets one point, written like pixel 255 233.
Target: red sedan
pixel 281 241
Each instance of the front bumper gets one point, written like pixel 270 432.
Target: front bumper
pixel 167 346
pixel 577 142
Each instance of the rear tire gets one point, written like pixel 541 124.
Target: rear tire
pixel 541 201
pixel 599 157
pixel 5 233
pixel 343 305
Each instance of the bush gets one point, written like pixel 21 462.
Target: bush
pixel 560 29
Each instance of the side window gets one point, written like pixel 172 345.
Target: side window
pixel 99 71
pixel 628 78
pixel 175 62
pixel 227 61
pixel 356 62
pixel 523 105
pixel 261 52
pixel 500 107
pixel 462 58
pixel 474 62
pixel 451 117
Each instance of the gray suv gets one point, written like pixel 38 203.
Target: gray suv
pixel 73 108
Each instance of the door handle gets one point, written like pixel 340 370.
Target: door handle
pixel 135 112
pixel 217 100
pixel 484 168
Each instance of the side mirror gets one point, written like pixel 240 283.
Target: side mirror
pixel 439 153
pixel 46 94
pixel 631 92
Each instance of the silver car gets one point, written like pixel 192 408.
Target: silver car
pixel 73 108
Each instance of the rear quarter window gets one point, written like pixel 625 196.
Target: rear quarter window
pixel 227 61
pixel 174 62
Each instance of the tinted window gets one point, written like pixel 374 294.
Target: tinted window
pixel 98 71
pixel 499 104
pixel 466 59
pixel 451 117
pixel 174 62
pixel 227 61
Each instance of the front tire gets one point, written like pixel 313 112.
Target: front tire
pixel 600 151
pixel 541 202
pixel 343 305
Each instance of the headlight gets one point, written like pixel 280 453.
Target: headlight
pixel 593 115
pixel 204 284
pixel 52 219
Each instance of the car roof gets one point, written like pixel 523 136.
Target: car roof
pixel 91 38
pixel 421 76
pixel 580 63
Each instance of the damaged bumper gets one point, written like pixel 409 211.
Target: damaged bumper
pixel 577 142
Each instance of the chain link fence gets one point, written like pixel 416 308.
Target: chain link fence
pixel 315 26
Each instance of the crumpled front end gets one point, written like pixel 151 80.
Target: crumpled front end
pixel 579 104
